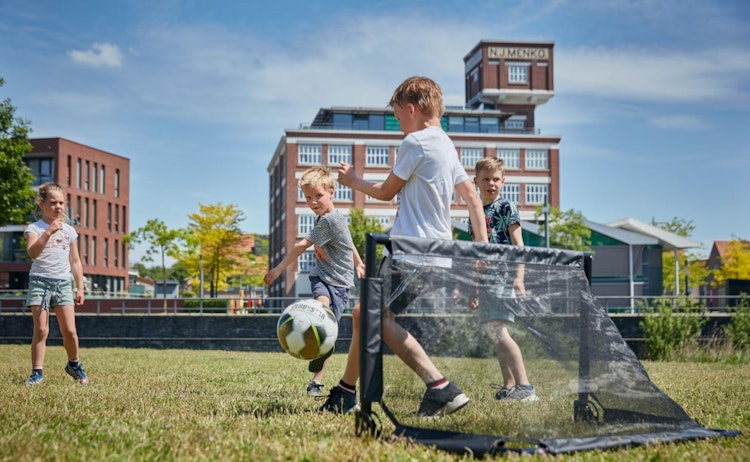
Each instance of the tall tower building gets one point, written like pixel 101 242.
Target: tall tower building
pixel 505 81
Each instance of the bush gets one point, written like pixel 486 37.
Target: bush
pixel 738 329
pixel 669 326
pixel 210 305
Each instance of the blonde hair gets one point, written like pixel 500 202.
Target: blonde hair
pixel 317 176
pixel 423 92
pixel 43 194
pixel 490 164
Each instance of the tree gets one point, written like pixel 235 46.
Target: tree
pixel 696 269
pixel 214 242
pixel 162 241
pixel 735 264
pixel 16 192
pixel 359 226
pixel 567 230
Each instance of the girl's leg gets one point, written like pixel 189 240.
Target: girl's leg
pixel 67 322
pixel 39 336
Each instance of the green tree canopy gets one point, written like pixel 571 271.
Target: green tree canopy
pixel 697 272
pixel 16 192
pixel 359 225
pixel 735 263
pixel 161 241
pixel 214 234
pixel 567 230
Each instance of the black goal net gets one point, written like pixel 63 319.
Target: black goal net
pixel 462 301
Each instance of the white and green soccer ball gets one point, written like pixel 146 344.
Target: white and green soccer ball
pixel 307 329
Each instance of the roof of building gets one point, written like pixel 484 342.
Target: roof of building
pixel 668 240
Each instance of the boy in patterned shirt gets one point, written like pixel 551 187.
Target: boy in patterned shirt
pixel 503 227
pixel 336 258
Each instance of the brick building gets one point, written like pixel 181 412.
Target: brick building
pixel 97 184
pixel 505 82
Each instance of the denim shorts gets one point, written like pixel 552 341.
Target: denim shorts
pixel 58 292
pixel 339 296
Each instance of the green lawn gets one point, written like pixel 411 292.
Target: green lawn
pixel 145 404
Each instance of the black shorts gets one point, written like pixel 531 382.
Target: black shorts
pixel 404 285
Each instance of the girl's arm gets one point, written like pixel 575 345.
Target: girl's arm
pixel 77 269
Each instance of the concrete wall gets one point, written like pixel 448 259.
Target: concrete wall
pixel 234 332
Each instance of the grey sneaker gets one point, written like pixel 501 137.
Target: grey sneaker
pixel 35 379
pixel 522 394
pixel 502 392
pixel 314 388
pixel 340 401
pixel 77 373
pixel 442 402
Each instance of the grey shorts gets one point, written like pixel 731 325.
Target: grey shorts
pixel 49 292
pixel 339 296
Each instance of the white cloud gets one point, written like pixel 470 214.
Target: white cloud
pixel 716 75
pixel 100 54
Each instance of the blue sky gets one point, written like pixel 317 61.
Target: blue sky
pixel 652 98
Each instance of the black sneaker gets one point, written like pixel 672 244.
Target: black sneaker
pixel 316 365
pixel 442 402
pixel 340 401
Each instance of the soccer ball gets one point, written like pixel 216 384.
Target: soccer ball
pixel 307 329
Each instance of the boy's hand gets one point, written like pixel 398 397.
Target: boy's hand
pixel 271 276
pixel 346 174
pixel 360 270
pixel 473 303
pixel 519 287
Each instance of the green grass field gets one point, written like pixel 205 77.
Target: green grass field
pixel 145 404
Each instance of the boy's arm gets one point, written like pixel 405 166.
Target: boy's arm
pixel 466 190
pixel 299 247
pixel 516 238
pixel 359 265
pixel 384 191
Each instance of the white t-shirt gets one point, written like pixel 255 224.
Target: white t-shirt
pixel 54 261
pixel 427 160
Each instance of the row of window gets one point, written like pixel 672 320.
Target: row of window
pixel 85 214
pixel 450 123
pixel 87 248
pixel 90 176
pixel 379 156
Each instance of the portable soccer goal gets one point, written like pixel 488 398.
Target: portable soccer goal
pixel 593 392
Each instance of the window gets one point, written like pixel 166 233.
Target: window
pixel 377 122
pixel 377 155
pixel 471 124
pixel 536 193
pixel 489 125
pixel 117 182
pixel 78 173
pixel 93 250
pixel 69 171
pixel 511 158
pixel 361 122
pixel 109 217
pixel 536 159
pixel 455 124
pixel 342 121
pixel 77 218
pixel 101 181
pixel 338 154
pixel 342 193
pixel 518 73
pixel 512 192
pixel 117 254
pixel 470 156
pixel 305 224
pixel 93 213
pixel 106 253
pixel 42 169
pixel 85 250
pixel 94 172
pixel 307 261
pixel 310 154
pixel 124 216
pixel 516 123
pixel 117 218
pixel 86 212
pixel 87 176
